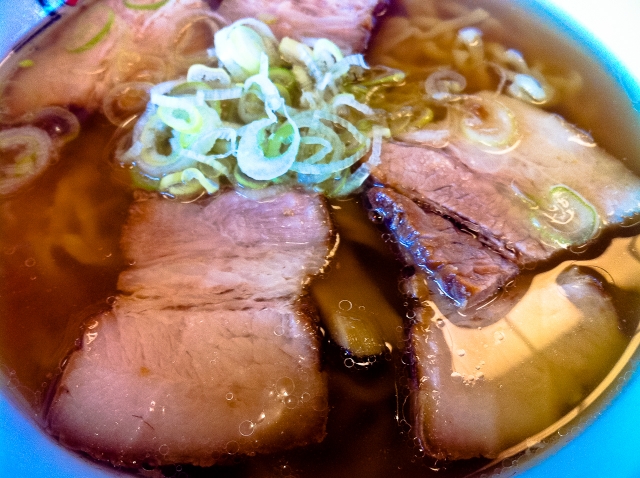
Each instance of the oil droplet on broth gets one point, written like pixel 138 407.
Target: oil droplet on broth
pixel 345 305
pixel 229 396
pixel 291 402
pixel 246 428
pixel 232 447
pixel 164 449
pixel 319 403
pixel 286 470
pixel 278 331
pixel 285 387
pixel 30 262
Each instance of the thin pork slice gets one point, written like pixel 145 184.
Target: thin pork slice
pixel 440 182
pixel 209 349
pixel 347 23
pixel 479 391
pixel 463 269
pixel 551 190
pixel 139 46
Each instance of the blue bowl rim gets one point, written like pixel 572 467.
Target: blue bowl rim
pixel 607 442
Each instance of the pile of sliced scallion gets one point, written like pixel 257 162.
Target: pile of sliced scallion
pixel 263 112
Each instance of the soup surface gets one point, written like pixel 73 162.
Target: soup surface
pixel 60 259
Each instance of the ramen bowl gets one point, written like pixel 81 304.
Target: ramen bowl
pixel 597 438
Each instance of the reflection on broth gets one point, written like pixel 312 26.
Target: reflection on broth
pixel 60 251
pixel 414 378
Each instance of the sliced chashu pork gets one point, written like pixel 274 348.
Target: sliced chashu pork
pixel 550 190
pixel 480 391
pixel 144 45
pixel 209 349
pixel 463 269
pixel 347 23
pixel 138 46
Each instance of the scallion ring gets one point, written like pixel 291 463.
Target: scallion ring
pixel 144 6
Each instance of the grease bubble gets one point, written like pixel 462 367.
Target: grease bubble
pixel 285 386
pixel 246 428
pixel 232 447
pixel 345 305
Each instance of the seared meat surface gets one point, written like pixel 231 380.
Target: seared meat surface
pixel 438 180
pixel 463 269
pixel 209 349
pixel 553 190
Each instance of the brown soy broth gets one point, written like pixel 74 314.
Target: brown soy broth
pixel 46 292
pixel 44 302
pixel 601 106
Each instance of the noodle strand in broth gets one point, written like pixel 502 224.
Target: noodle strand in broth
pixel 414 368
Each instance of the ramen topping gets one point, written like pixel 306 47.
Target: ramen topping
pixel 208 350
pixel 524 199
pixel 463 269
pixel 478 392
pixel 346 23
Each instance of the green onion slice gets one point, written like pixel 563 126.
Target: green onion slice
pixel 184 118
pixel 252 159
pixel 326 51
pixel 143 5
pixel 59 123
pixel 205 74
pixel 566 218
pixel 352 182
pixel 240 46
pixel 92 30
pixel 489 123
pixel 158 153
pixel 187 183
pixel 246 182
pixel 25 152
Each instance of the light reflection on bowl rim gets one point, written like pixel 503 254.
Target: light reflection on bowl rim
pixel 617 384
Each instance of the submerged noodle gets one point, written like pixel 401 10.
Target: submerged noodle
pixel 77 218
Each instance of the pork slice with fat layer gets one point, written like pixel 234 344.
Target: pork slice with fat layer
pixel 479 391
pixel 347 23
pixel 209 349
pixel 553 189
pixel 463 269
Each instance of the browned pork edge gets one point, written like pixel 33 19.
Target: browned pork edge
pixel 209 350
pixel 437 180
pixel 463 269
pixel 347 23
